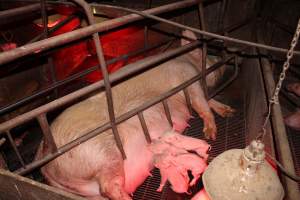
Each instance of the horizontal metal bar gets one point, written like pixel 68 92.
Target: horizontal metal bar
pixel 124 72
pixel 120 119
pixel 22 101
pixel 19 11
pixel 205 33
pixel 55 41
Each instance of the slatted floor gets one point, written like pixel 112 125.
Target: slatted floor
pixel 231 134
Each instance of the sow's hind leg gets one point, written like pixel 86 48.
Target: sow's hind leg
pixel 111 177
pixel 201 106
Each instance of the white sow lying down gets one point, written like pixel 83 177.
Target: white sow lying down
pixel 95 169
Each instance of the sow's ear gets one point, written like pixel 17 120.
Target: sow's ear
pixel 196 53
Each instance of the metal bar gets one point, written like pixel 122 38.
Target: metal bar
pixel 204 48
pixel 144 126
pixel 49 141
pixel 19 11
pixel 167 111
pixel 103 68
pixel 120 119
pixel 53 29
pixel 188 100
pixel 10 107
pixel 124 72
pixel 229 81
pixel 205 33
pixel 280 135
pixel 45 35
pixel 12 142
pixel 84 32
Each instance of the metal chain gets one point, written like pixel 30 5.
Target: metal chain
pixel 286 65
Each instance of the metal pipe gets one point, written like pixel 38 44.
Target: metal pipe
pixel 205 33
pixel 10 107
pixel 188 100
pixel 12 142
pixel 124 72
pixel 167 111
pixel 45 35
pixel 53 29
pixel 86 31
pixel 88 135
pixel 204 48
pixel 49 141
pixel 280 135
pixel 19 11
pixel 103 68
pixel 144 127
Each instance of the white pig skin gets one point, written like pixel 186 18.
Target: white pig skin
pixel 95 169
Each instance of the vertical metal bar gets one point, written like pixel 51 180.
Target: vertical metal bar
pixel 167 111
pixel 12 142
pixel 103 67
pixel 45 29
pixel 49 141
pixel 144 126
pixel 188 100
pixel 146 29
pixel 204 48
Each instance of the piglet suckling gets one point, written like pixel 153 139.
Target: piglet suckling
pixel 172 157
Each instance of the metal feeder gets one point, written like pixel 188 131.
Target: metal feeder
pixel 242 174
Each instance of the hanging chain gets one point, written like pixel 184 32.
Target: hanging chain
pixel 286 65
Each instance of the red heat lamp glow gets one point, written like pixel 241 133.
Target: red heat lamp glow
pixel 80 56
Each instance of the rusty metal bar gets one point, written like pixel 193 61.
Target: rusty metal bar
pixel 49 141
pixel 19 11
pixel 144 127
pixel 188 100
pixel 167 111
pixel 55 41
pixel 204 48
pixel 45 35
pixel 103 68
pixel 124 72
pixel 279 131
pixel 120 119
pixel 12 142
pixel 9 107
pixel 53 29
pixel 205 33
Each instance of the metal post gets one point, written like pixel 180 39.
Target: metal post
pixel 103 68
pixel 167 111
pixel 204 47
pixel 144 126
pixel 12 142
pixel 45 31
pixel 49 141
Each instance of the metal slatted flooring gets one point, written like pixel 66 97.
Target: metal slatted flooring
pixel 231 134
pixel 294 140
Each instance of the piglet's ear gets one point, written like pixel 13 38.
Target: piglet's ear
pixel 197 53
